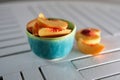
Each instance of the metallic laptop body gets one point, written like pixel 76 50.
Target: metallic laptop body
pixel 17 61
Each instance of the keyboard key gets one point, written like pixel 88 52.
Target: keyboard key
pixel 89 62
pixel 12 76
pixel 61 71
pixel 32 73
pixel 101 71
pixel 113 77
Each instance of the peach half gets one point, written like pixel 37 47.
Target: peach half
pixel 89 35
pixel 93 49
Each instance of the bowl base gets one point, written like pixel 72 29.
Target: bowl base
pixel 56 59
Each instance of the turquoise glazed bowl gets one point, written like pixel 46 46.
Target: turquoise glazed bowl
pixel 53 48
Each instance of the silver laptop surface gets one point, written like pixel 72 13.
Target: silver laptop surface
pixel 17 61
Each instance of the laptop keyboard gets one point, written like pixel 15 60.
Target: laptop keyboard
pixel 12 40
pixel 17 61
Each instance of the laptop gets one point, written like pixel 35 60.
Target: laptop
pixel 18 62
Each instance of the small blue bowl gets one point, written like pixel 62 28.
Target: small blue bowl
pixel 52 48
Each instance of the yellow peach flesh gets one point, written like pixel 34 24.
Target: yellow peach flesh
pixel 93 49
pixel 51 32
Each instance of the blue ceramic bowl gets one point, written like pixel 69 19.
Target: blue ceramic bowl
pixel 52 48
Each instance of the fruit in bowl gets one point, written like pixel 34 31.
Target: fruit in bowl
pixel 50 38
pixel 43 26
pixel 88 41
pixel 49 32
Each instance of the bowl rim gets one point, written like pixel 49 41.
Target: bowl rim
pixel 53 38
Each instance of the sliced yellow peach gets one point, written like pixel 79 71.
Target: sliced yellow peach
pixel 88 39
pixel 30 25
pixel 88 32
pixel 41 15
pixel 52 23
pixel 36 29
pixel 53 32
pixel 33 27
pixel 93 49
pixel 91 31
pixel 89 35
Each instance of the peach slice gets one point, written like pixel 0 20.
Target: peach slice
pixel 30 25
pixel 91 31
pixel 50 32
pixel 93 49
pixel 89 35
pixel 33 27
pixel 52 23
pixel 88 39
pixel 36 29
pixel 41 15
